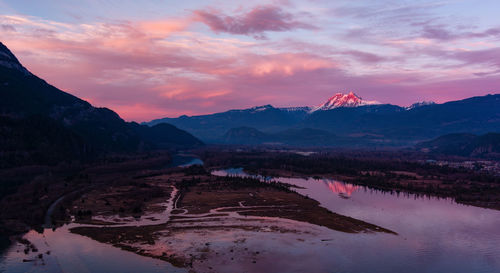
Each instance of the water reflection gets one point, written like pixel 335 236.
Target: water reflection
pixel 343 189
pixel 62 251
pixel 435 234
pixel 59 250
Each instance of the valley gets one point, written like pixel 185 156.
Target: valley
pixel 145 207
pixel 202 221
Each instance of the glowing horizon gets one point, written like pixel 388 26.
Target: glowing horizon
pixel 165 59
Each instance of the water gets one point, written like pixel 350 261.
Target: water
pixel 435 235
pixel 75 253
pixel 185 160
pixel 63 251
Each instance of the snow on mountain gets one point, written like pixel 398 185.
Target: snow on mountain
pixel 294 109
pixel 268 106
pixel 260 108
pixel 419 104
pixel 254 109
pixel 343 100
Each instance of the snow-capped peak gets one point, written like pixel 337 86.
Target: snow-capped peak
pixel 344 100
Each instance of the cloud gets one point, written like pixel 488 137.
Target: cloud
pixel 477 59
pixel 151 68
pixel 365 57
pixel 443 33
pixel 127 67
pixel 437 33
pixel 8 28
pixel 386 13
pixel 255 22
pixel 485 56
pixel 482 74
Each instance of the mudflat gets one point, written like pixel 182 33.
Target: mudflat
pixel 200 209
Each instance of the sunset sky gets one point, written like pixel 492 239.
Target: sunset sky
pixel 152 59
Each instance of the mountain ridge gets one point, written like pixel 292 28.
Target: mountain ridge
pixel 394 125
pixel 27 99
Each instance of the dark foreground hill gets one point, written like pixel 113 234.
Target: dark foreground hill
pixel 40 124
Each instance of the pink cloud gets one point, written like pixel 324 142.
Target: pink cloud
pixel 365 57
pixel 255 22
pixel 443 33
pixel 156 68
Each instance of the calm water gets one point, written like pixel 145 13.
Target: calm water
pixel 74 253
pixel 435 235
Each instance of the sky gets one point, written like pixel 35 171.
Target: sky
pixel 152 59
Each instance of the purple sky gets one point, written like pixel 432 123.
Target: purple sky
pixel 152 59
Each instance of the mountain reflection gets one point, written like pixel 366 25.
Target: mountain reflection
pixel 341 188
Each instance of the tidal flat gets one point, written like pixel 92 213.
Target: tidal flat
pixel 208 220
pixel 196 219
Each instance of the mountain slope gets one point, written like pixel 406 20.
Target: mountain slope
pixel 245 135
pixel 290 137
pixel 487 145
pixel 38 140
pixel 352 120
pixel 212 127
pixel 477 115
pixel 166 136
pixel 25 98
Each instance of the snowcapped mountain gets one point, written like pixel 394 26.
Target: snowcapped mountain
pixel 374 123
pixel 343 100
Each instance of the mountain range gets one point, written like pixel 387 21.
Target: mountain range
pixel 345 120
pixel 41 124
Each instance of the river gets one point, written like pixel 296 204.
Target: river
pixel 63 251
pixel 434 235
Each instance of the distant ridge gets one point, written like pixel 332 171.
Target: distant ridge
pixel 366 123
